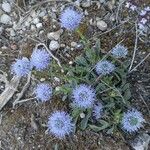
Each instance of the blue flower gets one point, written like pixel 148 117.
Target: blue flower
pixel 21 67
pixel 132 120
pixel 83 96
pixel 119 51
pixel 104 67
pixel 40 59
pixel 70 18
pixel 97 110
pixel 43 92
pixel 60 124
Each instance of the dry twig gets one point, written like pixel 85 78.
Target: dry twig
pixel 23 90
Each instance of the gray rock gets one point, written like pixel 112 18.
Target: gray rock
pixel 102 25
pixel 55 35
pixel 141 142
pixel 54 45
pixel 86 3
pixel 5 19
pixel 6 7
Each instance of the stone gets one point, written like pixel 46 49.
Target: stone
pixel 6 7
pixel 73 44
pixel 54 45
pixel 39 25
pixel 102 25
pixel 86 3
pixel 55 35
pixel 141 142
pixel 5 19
pixel 12 33
pixel 36 20
pixel 82 115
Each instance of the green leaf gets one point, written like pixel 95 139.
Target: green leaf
pixel 80 60
pixel 99 128
pixel 95 128
pixel 84 121
pixel 127 94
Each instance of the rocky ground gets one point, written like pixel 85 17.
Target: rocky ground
pixel 25 23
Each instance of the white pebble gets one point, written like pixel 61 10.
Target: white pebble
pixel 33 27
pixel 39 25
pixel 73 44
pixel 12 33
pixel 102 25
pixel 54 45
pixel 82 115
pixel 56 79
pixel 5 19
pixel 86 3
pixel 55 35
pixel 6 7
pixel 36 20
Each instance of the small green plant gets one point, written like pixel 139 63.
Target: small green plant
pixel 112 88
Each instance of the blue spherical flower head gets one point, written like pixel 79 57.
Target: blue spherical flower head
pixel 119 51
pixel 83 96
pixel 43 92
pixel 40 59
pixel 132 121
pixel 60 124
pixel 21 67
pixel 70 18
pixel 97 110
pixel 104 67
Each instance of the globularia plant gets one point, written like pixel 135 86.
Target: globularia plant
pixel 132 121
pixel 104 67
pixel 60 124
pixel 40 59
pixel 43 92
pixel 21 67
pixel 92 76
pixel 119 51
pixel 70 18
pixel 83 96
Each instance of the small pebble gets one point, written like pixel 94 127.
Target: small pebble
pixel 5 19
pixel 36 21
pixel 6 7
pixel 86 3
pixel 70 62
pixel 55 35
pixel 73 44
pixel 82 115
pixel 42 79
pixel 102 25
pixel 54 45
pixel 39 25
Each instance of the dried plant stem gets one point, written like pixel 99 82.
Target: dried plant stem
pixel 145 103
pixel 140 63
pixel 25 100
pixel 23 90
pixel 9 91
pixel 135 48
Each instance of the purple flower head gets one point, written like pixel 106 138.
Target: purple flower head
pixel 60 124
pixel 119 51
pixel 104 67
pixel 83 96
pixel 21 67
pixel 97 110
pixel 70 18
pixel 132 121
pixel 43 92
pixel 40 59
